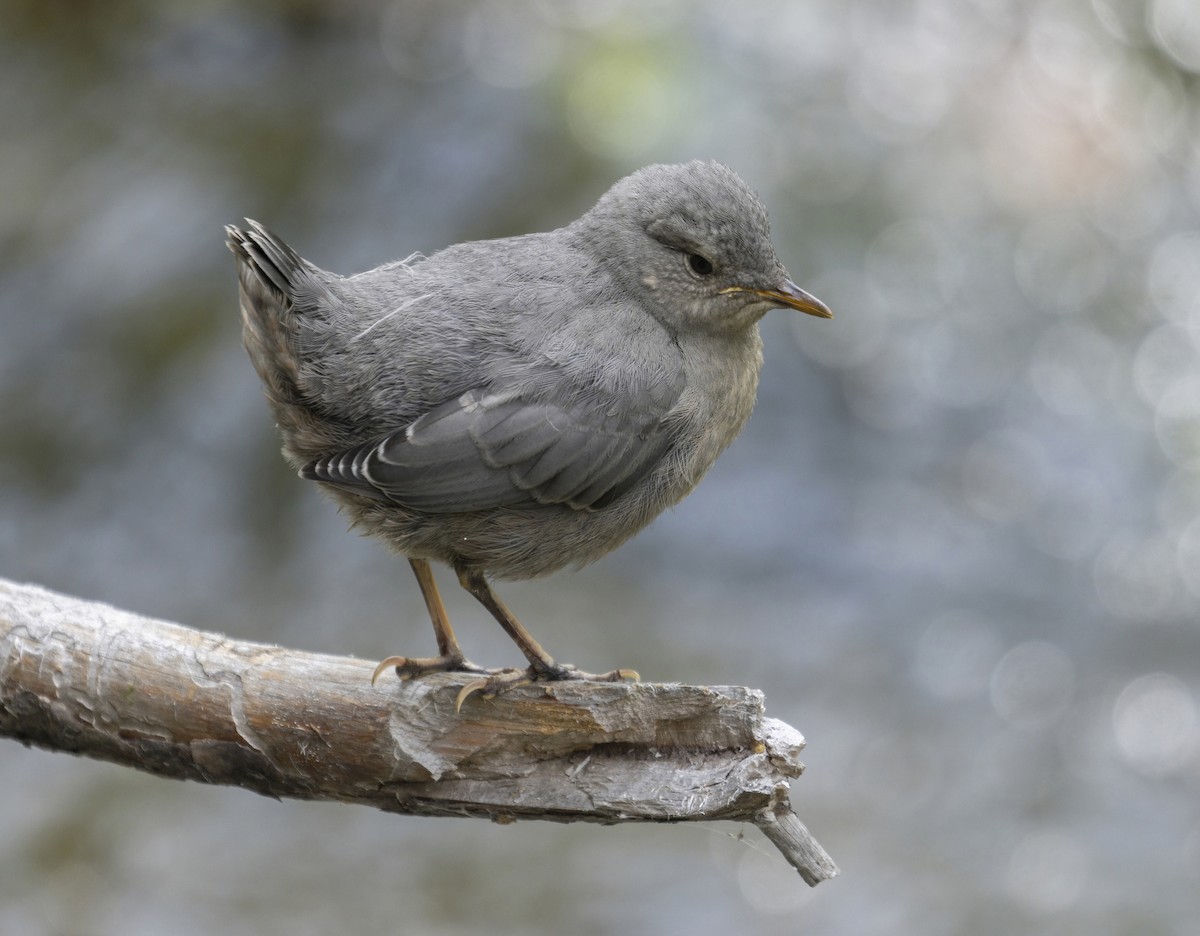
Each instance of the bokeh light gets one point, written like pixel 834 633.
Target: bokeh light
pixel 1156 725
pixel 1033 685
pixel 956 655
pixel 1047 872
pixel 958 545
pixel 1175 26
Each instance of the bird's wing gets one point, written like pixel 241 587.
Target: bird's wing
pixel 495 449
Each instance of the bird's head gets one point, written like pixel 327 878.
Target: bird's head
pixel 696 239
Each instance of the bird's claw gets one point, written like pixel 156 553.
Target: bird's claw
pixel 564 672
pixel 410 667
pixel 392 661
pixel 492 685
pixel 503 680
pixel 465 693
pixel 493 682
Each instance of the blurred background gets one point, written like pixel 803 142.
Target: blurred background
pixel 958 545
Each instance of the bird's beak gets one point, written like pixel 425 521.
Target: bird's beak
pixel 791 296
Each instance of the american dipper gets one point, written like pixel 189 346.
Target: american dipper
pixel 510 407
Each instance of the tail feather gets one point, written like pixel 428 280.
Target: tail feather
pixel 277 287
pixel 272 260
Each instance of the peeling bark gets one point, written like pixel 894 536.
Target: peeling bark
pixel 89 679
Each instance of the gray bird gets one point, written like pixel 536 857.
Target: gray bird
pixel 510 407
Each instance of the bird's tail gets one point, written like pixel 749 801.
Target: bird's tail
pixel 279 290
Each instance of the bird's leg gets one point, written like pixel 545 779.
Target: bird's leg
pixel 443 630
pixel 450 656
pixel 541 665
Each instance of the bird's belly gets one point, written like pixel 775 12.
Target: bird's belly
pixel 526 542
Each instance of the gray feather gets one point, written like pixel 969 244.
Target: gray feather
pixel 518 405
pixel 487 451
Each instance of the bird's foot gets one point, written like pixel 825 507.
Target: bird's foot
pixel 412 667
pixel 501 681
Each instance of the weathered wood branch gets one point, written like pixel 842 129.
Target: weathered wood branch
pixel 86 678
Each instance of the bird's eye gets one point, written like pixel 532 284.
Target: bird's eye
pixel 701 266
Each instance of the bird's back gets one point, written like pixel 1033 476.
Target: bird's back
pixel 348 359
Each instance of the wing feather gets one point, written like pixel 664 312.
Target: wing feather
pixel 485 450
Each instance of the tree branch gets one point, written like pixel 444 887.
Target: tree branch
pixel 90 679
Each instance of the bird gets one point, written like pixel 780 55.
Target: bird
pixel 514 406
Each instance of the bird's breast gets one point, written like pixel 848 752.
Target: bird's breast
pixel 722 382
